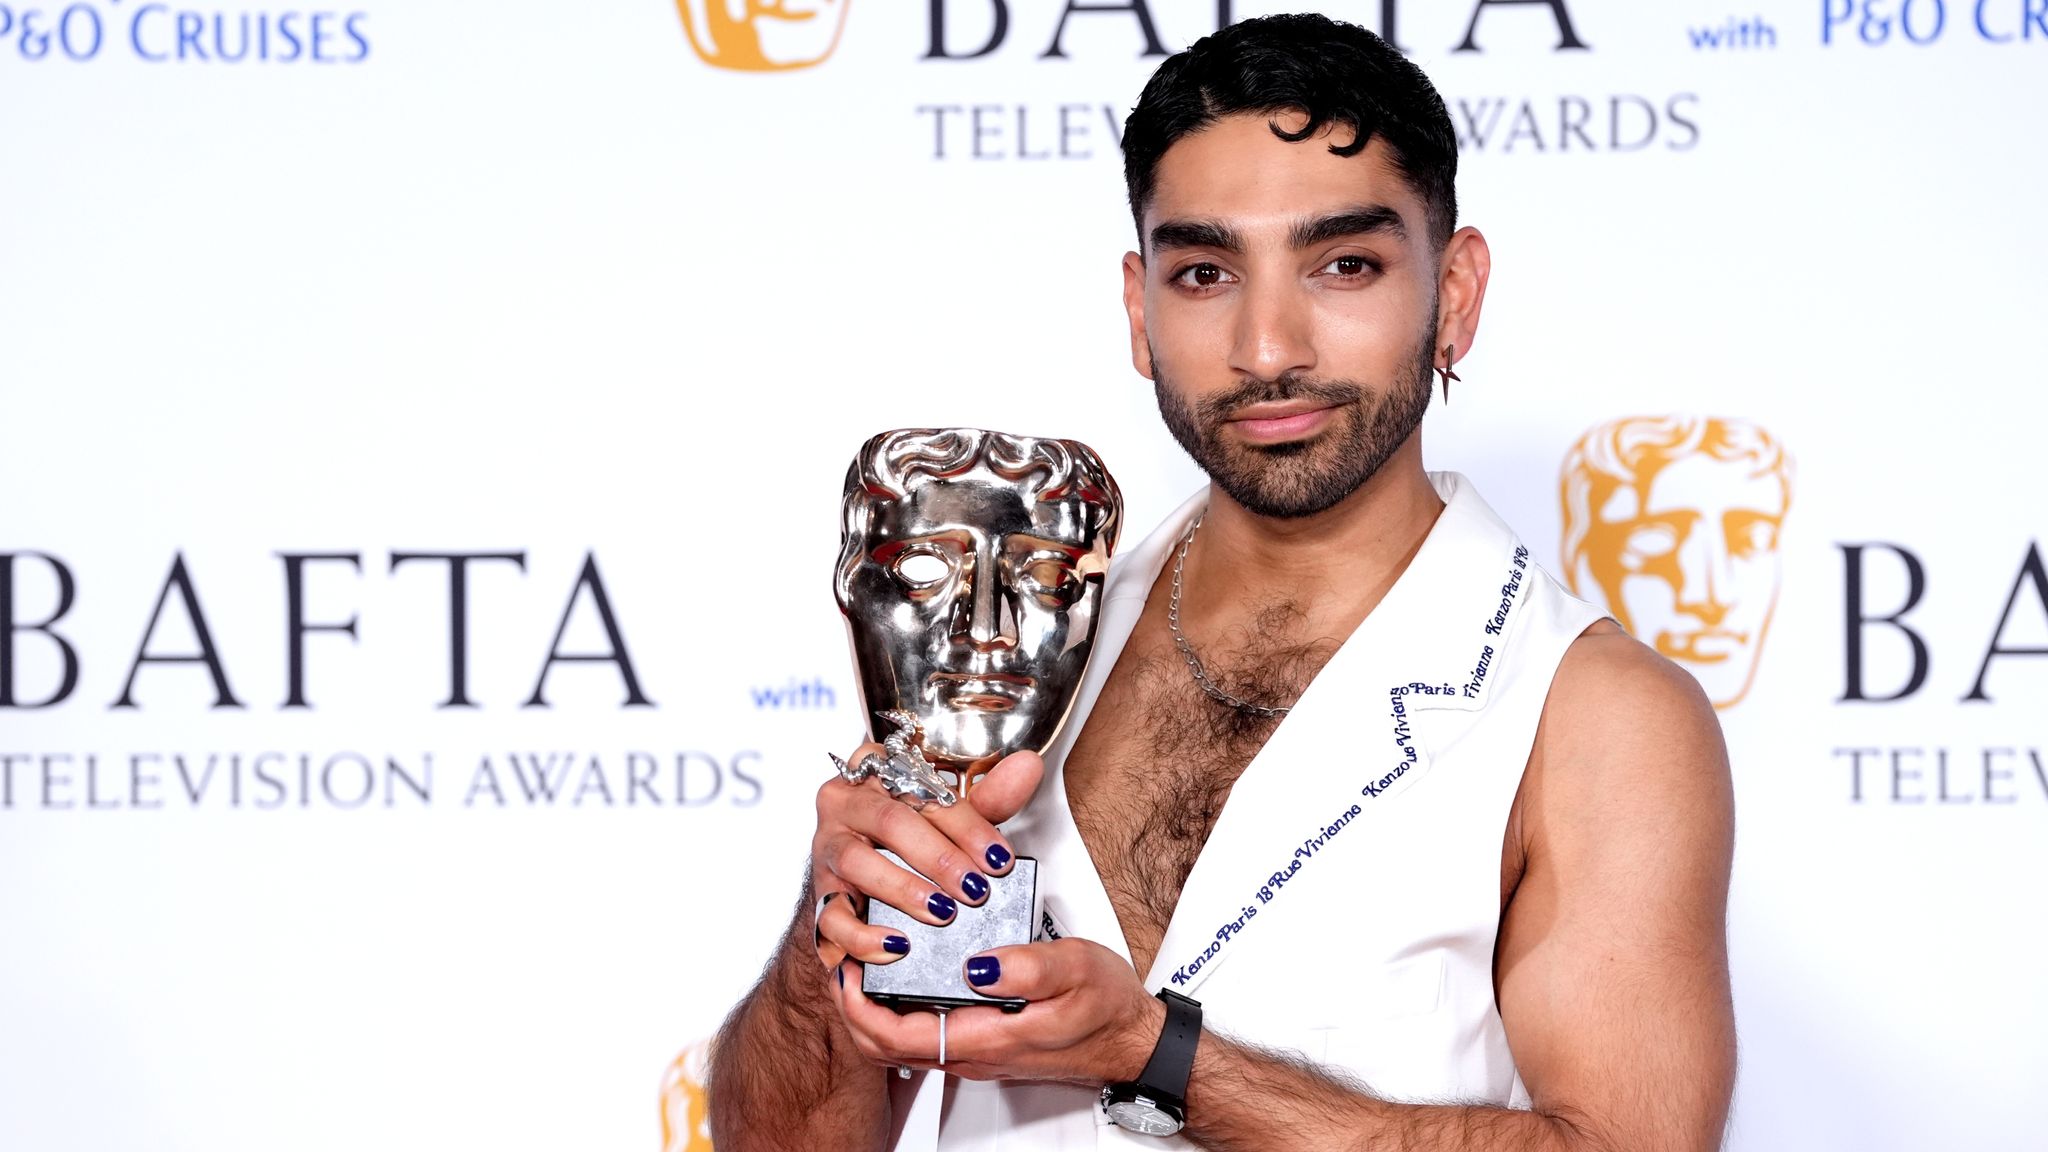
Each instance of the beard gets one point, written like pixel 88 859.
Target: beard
pixel 1300 477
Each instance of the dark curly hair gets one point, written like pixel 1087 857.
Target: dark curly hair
pixel 1337 73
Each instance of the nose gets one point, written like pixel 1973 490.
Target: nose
pixel 1705 576
pixel 981 610
pixel 1273 332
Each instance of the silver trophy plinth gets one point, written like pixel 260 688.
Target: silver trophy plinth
pixel 971 569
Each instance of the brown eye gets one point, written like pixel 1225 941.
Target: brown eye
pixel 1350 265
pixel 1201 276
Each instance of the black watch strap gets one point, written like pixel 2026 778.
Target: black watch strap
pixel 1174 1056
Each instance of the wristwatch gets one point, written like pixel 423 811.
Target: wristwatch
pixel 1155 1104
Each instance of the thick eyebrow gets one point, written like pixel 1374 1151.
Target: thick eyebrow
pixel 1365 220
pixel 1171 234
pixel 1362 221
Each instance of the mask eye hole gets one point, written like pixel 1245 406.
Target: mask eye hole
pixel 921 569
pixel 1052 581
pixel 1050 575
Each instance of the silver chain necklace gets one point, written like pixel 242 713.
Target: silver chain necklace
pixel 1201 674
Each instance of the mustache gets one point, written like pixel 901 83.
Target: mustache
pixel 1287 386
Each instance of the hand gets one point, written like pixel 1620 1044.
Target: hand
pixel 1090 1020
pixel 958 847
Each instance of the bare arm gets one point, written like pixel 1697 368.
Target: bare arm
pixel 784 1072
pixel 1611 967
pixel 1247 1099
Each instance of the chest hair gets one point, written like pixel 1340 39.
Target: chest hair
pixel 1159 757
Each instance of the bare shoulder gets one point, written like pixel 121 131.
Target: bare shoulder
pixel 1626 733
pixel 1628 771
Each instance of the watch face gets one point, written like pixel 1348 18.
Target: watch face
pixel 1142 1116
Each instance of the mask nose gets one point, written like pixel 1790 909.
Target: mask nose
pixel 983 612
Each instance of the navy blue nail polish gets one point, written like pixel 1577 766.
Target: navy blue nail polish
pixel 896 945
pixel 842 976
pixel 975 885
pixel 998 857
pixel 941 905
pixel 983 971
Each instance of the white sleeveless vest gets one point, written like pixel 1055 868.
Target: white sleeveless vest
pixel 1346 902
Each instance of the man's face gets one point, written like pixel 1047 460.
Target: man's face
pixel 1285 310
pixel 973 606
pixel 1689 563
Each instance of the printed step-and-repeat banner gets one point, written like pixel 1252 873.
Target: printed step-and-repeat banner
pixel 421 429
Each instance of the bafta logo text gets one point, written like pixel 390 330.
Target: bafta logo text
pixel 763 35
pixel 1673 521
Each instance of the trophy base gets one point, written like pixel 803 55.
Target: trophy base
pixel 905 1004
pixel 933 974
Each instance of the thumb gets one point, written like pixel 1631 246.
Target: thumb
pixel 1008 786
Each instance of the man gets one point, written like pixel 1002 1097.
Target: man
pixel 1441 852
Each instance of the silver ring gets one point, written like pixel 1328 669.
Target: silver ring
pixel 942 1038
pixel 916 796
pixel 869 765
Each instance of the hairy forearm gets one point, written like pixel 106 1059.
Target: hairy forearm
pixel 784 1071
pixel 1247 1099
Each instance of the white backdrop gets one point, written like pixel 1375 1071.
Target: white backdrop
pixel 542 279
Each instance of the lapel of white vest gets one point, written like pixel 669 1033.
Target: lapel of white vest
pixel 1354 741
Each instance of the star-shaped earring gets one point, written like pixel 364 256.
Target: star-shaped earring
pixel 1450 354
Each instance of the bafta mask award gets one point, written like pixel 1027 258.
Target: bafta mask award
pixel 971 568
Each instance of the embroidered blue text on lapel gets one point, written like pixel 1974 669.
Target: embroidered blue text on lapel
pixel 1460 556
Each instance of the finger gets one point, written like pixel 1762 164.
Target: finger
pixel 834 799
pixel 966 827
pixel 882 1034
pixel 1008 786
pixel 1038 971
pixel 853 860
pixel 924 846
pixel 1086 1009
pixel 1045 969
pixel 843 929
pixel 829 953
pixel 983 850
pixel 953 858
pixel 853 1010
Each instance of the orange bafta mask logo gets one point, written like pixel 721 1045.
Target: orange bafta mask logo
pixel 763 35
pixel 685 1103
pixel 1674 522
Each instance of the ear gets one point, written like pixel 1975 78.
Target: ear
pixel 1134 307
pixel 1461 291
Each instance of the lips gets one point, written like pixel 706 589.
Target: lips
pixel 982 691
pixel 1280 422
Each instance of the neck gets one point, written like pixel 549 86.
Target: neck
pixel 1336 564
